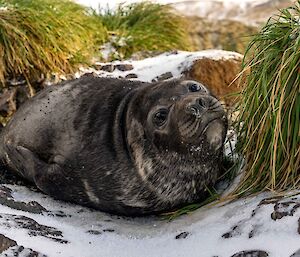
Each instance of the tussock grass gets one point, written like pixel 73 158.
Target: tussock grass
pixel 268 124
pixel 144 26
pixel 269 119
pixel 45 36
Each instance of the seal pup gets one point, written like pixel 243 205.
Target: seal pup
pixel 119 146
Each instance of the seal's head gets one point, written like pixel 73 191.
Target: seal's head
pixel 182 116
pixel 175 132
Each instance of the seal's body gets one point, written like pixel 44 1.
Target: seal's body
pixel 119 146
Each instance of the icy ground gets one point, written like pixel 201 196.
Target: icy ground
pixel 258 223
pixel 161 67
pixel 33 224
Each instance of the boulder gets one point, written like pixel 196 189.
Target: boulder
pixel 220 76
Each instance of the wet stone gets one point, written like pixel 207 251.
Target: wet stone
pixel 6 199
pixel 182 235
pixel 5 243
pixel 282 209
pixel 94 232
pixel 163 76
pixel 33 228
pixel 20 251
pixel 131 76
pixel 234 232
pixel 124 67
pixel 108 230
pixel 107 67
pixel 252 253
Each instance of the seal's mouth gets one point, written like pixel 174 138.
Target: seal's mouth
pixel 215 132
pixel 193 127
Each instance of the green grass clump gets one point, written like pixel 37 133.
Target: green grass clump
pixel 45 36
pixel 269 119
pixel 144 26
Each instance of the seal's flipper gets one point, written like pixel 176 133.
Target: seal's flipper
pixel 22 160
pixel 48 177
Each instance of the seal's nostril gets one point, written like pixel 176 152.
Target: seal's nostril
pixel 195 110
pixel 202 102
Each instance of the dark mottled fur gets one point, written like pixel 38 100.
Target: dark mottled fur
pixel 91 141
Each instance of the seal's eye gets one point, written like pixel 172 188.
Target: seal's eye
pixel 195 87
pixel 160 117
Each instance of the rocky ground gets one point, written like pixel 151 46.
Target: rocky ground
pixel 33 224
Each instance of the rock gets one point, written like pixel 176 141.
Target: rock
pixel 163 76
pixel 220 34
pixel 282 209
pixel 182 235
pixel 33 228
pixel 94 232
pixel 20 251
pixel 5 243
pixel 7 200
pixel 108 230
pixel 9 247
pixel 124 67
pixel 131 76
pixel 107 67
pixel 233 232
pixel 247 12
pixel 252 253
pixel 218 75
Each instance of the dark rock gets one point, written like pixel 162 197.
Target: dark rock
pixel 282 209
pixel 107 67
pixel 124 67
pixel 7 200
pixel 164 76
pixel 252 253
pixel 5 243
pixel 108 230
pixel 270 200
pixel 131 76
pixel 233 232
pixel 34 228
pixel 296 254
pixel 20 251
pixel 94 232
pixel 299 226
pixel 182 235
pixel 90 74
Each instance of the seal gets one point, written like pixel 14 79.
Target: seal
pixel 119 146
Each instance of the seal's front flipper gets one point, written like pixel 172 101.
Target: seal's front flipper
pixel 22 160
pixel 47 177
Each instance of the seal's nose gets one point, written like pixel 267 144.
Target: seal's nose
pixel 199 105
pixel 203 103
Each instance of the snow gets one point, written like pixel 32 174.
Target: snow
pixel 153 236
pixel 151 68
